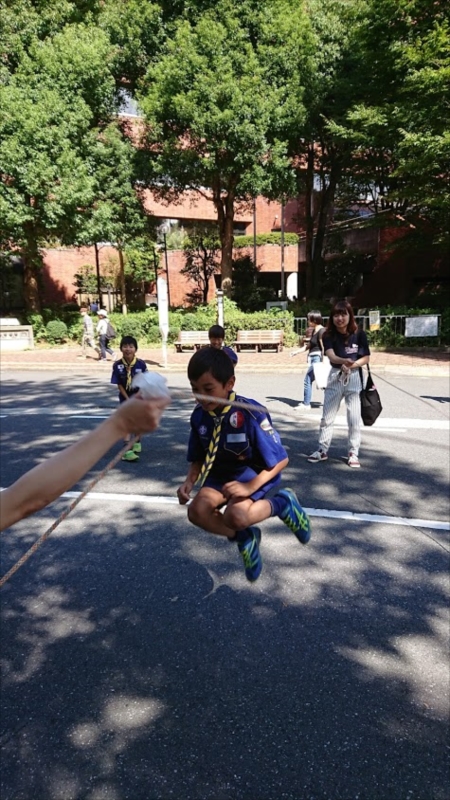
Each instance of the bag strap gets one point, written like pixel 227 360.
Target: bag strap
pixel 320 340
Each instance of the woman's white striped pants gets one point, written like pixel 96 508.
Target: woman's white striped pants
pixel 335 391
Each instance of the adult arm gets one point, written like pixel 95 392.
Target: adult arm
pixel 347 363
pixel 43 484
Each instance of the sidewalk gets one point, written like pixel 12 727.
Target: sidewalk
pixel 65 358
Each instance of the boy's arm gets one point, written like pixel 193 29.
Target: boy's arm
pixel 236 489
pixel 184 491
pixel 122 391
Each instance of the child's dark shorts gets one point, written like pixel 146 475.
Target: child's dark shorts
pixel 216 481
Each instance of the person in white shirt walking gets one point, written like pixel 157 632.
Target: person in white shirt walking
pixel 102 330
pixel 88 330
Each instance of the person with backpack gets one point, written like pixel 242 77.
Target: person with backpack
pixel 106 333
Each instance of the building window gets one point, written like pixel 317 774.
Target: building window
pixel 127 106
pixel 240 229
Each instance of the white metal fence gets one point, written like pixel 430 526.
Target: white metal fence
pixel 393 324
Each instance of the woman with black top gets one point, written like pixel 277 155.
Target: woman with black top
pixel 315 353
pixel 348 349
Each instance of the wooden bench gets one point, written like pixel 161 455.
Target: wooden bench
pixel 259 339
pixel 195 339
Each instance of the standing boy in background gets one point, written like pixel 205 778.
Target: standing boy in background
pixel 216 336
pixel 236 459
pixel 123 373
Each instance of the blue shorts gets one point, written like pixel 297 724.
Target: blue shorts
pixel 216 481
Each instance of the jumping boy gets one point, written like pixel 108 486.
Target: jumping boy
pixel 216 335
pixel 236 458
pixel 123 373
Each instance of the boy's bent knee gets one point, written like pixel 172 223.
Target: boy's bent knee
pixel 236 517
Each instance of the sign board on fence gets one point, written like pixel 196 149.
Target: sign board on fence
pixel 427 325
pixel 374 320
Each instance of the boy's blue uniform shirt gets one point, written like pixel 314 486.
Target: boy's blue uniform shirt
pixel 248 444
pixel 230 353
pixel 119 375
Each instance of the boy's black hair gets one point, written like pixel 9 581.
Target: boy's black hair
pixel 213 360
pixel 315 317
pixel 128 340
pixel 217 332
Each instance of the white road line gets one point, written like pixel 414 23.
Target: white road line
pixel 372 428
pixel 389 423
pixel 89 416
pixel 313 512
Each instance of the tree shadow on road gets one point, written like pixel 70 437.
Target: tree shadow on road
pixel 139 663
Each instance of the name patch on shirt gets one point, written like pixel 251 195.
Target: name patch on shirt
pixel 232 438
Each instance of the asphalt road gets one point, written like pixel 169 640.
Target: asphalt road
pixel 138 663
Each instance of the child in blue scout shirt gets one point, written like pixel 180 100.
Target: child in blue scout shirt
pixel 123 373
pixel 216 335
pixel 236 458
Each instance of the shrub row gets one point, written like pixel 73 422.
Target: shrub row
pixel 59 325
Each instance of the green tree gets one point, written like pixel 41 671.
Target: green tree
pixel 50 106
pixel 216 112
pixel 399 119
pixel 116 213
pixel 201 250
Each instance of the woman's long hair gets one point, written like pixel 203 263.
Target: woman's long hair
pixel 342 305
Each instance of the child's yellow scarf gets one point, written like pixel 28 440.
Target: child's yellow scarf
pixel 128 367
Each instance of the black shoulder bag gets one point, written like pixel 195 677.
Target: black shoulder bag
pixel 371 407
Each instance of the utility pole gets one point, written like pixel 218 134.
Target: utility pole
pixel 282 251
pixel 254 232
pixel 97 267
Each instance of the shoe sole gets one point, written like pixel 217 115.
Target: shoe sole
pixel 316 460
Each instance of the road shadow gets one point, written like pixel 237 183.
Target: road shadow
pixel 139 663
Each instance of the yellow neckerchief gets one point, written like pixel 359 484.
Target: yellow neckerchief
pixel 129 376
pixel 213 446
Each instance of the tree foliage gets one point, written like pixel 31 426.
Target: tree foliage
pixel 216 108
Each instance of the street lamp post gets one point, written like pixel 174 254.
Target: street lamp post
pixel 166 261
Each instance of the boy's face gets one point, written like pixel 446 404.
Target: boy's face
pixel 209 385
pixel 128 352
pixel 216 341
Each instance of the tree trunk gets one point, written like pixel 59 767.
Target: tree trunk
pixel 225 217
pixel 123 288
pixel 326 203
pixel 309 220
pixel 32 263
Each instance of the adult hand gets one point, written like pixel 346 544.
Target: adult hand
pixel 137 415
